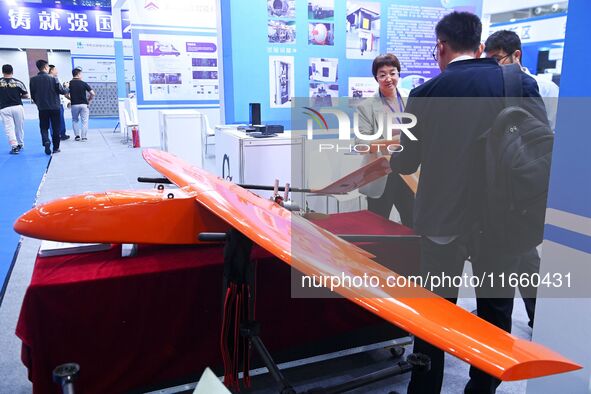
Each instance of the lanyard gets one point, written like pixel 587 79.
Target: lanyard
pixel 398 97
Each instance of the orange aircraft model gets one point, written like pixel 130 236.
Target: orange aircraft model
pixel 204 203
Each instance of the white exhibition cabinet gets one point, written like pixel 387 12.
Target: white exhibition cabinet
pixel 182 134
pixel 259 161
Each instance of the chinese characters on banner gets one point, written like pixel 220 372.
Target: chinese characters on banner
pixel 75 22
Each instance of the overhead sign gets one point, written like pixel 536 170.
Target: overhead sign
pixel 546 29
pixel 33 20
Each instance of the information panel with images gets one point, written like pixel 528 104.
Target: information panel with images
pixel 323 49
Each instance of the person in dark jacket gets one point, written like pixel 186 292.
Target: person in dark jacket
pixel 453 112
pixel 53 71
pixel 45 92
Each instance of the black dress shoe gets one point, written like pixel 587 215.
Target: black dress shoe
pixel 65 137
pixel 47 148
pixel 56 151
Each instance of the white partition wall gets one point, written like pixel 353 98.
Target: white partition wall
pixel 177 51
pixel 181 133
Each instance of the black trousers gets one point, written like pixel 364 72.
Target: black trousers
pixel 62 123
pixel 495 303
pixel 529 264
pixel 397 194
pixel 47 116
pixel 436 259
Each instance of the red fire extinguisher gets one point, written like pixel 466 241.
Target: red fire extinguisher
pixel 135 137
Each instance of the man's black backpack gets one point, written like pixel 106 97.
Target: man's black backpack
pixel 518 153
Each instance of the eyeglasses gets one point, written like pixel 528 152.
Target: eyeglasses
pixel 501 59
pixel 435 53
pixel 383 77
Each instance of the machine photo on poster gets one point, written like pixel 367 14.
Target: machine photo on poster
pixel 281 8
pixel 323 93
pixel 281 81
pixel 321 10
pixel 410 82
pixel 362 30
pixel 204 62
pixel 323 69
pixel 157 78
pixel 362 87
pixel 281 32
pixel 320 33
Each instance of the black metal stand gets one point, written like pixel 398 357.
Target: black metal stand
pixel 251 330
pixel 236 270
pixel 65 375
pixel 418 362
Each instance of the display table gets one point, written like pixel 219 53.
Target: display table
pixel 247 160
pixel 139 322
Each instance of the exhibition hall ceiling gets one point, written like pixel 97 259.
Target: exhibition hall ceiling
pixel 558 7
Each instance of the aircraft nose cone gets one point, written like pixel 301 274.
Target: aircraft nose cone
pixel 29 224
pixel 57 219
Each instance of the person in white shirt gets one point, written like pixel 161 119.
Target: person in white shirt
pixel 505 46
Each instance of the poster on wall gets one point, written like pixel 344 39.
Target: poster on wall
pixel 281 32
pixel 362 87
pixel 322 94
pixel 179 67
pixel 321 10
pixel 411 35
pixel 281 81
pixel 103 70
pixel 353 32
pixel 320 33
pixel 281 8
pixel 323 75
pixel 362 30
pixel 323 69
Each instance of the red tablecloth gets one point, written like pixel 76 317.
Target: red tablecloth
pixel 141 321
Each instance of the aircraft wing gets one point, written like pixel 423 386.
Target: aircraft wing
pixel 362 176
pixel 314 251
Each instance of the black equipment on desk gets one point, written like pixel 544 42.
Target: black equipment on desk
pixel 265 131
pixel 254 114
pixel 262 131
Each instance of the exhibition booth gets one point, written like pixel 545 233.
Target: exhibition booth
pixel 194 244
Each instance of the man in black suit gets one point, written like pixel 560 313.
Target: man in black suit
pixel 453 110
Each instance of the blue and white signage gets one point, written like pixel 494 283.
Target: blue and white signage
pixel 33 20
pixel 536 30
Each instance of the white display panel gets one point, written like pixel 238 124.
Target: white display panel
pixel 181 134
